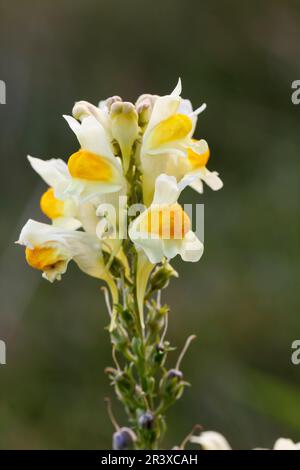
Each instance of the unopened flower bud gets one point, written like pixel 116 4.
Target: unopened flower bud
pixel 146 420
pixel 124 128
pixel 161 277
pixel 175 373
pixel 144 106
pixel 123 439
pixel 83 109
pixel 122 107
pixel 113 99
pixel 159 348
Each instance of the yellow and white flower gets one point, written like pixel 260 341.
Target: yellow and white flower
pixel 63 211
pixel 168 147
pixel 50 249
pixel 164 229
pixel 194 163
pixel 94 168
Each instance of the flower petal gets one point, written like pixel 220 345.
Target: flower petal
pixel 212 179
pixel 286 444
pixel 166 190
pixel 211 440
pixel 83 248
pixel 191 249
pixel 178 89
pixel 91 135
pixel 54 172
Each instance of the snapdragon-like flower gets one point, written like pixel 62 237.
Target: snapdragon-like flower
pixel 168 146
pixel 50 249
pixel 63 211
pixel 164 229
pixel 94 168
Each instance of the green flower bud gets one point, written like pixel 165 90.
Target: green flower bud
pixel 161 276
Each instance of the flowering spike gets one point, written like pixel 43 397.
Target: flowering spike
pixel 113 209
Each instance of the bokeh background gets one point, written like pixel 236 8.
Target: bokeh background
pixel 242 299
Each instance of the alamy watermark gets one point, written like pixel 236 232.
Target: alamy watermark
pixel 2 92
pixel 158 221
pixel 2 353
pixel 295 357
pixel 295 97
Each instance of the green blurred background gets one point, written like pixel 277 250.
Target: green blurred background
pixel 242 299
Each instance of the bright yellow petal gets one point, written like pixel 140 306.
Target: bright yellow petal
pixel 174 128
pixel 51 206
pixel 89 166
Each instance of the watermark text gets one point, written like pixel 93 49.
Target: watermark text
pixel 2 92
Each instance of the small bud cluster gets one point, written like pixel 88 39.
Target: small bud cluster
pixel 142 381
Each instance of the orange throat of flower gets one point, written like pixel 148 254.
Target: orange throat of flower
pixel 170 222
pixel 44 258
pixel 198 160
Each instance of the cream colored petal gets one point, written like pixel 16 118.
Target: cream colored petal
pixel 200 146
pixel 36 233
pixel 69 223
pixel 211 440
pixel 152 246
pixel 153 249
pixel 83 109
pixel 124 128
pixel 171 248
pixel 87 191
pixel 185 107
pixel 166 190
pixel 177 148
pixel 191 248
pixel 91 136
pixel 178 89
pixel 54 172
pixel 197 185
pixel 286 444
pixel 212 179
